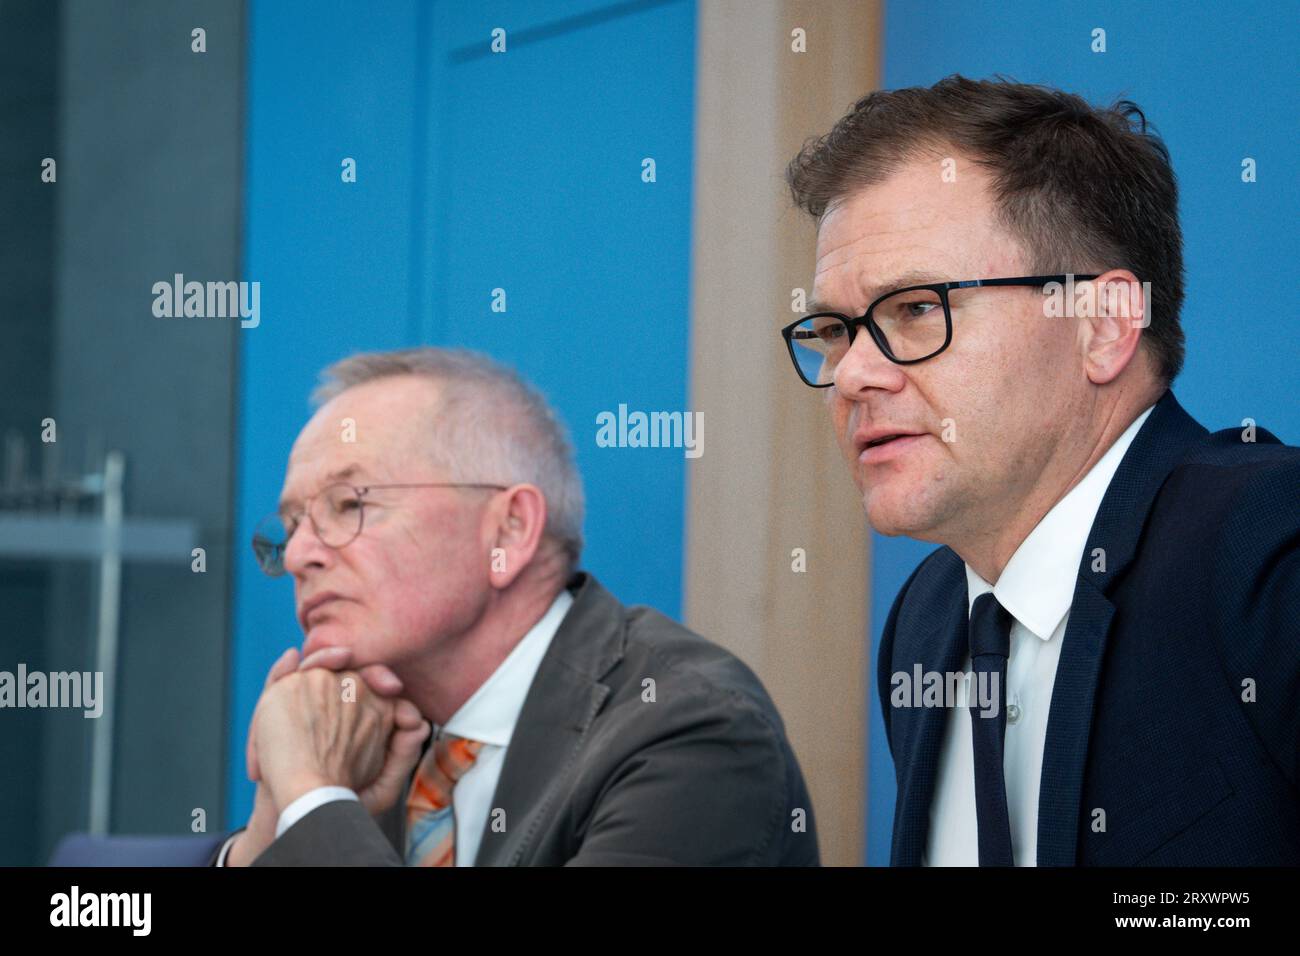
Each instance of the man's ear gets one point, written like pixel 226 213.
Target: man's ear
pixel 1111 324
pixel 515 525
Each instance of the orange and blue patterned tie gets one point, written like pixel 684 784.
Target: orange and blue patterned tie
pixel 430 822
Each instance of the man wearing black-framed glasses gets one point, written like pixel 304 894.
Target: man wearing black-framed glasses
pixel 465 695
pixel 1114 582
pixel 909 324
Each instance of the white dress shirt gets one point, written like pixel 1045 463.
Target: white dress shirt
pixel 489 716
pixel 1036 588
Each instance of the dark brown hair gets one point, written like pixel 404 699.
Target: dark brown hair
pixel 1083 189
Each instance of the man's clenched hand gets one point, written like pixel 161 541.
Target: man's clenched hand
pixel 315 727
pixel 408 730
pixel 407 738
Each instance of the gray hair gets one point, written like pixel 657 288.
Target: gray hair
pixel 490 426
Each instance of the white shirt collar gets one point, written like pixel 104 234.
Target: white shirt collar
pixel 1037 585
pixel 491 712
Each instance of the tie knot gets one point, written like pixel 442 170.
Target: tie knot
pixel 455 755
pixel 444 762
pixel 990 627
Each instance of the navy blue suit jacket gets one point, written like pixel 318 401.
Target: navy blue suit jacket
pixel 1198 602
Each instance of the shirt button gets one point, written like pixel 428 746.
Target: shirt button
pixel 1013 713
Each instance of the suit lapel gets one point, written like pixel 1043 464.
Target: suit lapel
pixel 565 696
pixel 393 821
pixel 1157 448
pixel 946 639
pixel 1069 722
pixel 541 753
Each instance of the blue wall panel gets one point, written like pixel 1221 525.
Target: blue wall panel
pixel 539 193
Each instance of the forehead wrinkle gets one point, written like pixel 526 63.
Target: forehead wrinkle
pixel 892 211
pixel 838 254
pixel 915 265
pixel 880 220
pixel 877 246
pixel 867 242
pixel 352 470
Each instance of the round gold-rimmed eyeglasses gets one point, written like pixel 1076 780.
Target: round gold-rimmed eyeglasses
pixel 337 512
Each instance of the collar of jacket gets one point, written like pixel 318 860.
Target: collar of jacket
pixel 565 696
pixel 1163 441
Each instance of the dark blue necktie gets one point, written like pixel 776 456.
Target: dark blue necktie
pixel 990 646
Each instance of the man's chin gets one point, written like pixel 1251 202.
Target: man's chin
pixel 885 517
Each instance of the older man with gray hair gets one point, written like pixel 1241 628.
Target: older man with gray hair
pixel 464 695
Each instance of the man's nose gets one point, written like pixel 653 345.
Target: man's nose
pixel 865 367
pixel 305 548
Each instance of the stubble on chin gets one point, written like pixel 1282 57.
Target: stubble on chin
pixel 912 512
pixel 884 520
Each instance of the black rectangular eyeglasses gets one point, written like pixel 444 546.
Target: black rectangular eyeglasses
pixel 909 325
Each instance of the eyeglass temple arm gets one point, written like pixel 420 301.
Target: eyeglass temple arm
pixel 1028 280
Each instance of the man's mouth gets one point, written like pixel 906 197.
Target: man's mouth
pixel 313 607
pixel 885 447
pixel 317 610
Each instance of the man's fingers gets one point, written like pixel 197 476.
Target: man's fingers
pixel 407 716
pixel 284 664
pixel 332 658
pixel 381 680
pixel 404 748
pixel 250 752
pixel 405 744
pixel 408 727
pixel 403 753
pixel 378 677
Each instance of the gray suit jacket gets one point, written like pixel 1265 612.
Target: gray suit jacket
pixel 596 775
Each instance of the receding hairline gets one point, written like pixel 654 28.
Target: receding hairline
pixel 927 147
pixel 333 389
